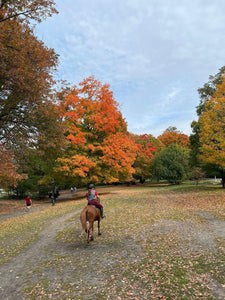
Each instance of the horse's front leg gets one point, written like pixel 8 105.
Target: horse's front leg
pixel 99 233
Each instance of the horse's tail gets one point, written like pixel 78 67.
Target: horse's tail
pixel 83 219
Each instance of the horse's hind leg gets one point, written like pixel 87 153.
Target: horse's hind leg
pixel 88 236
pixel 88 232
pixel 99 233
pixel 92 230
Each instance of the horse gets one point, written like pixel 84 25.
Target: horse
pixel 90 214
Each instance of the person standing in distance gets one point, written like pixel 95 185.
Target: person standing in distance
pixel 28 203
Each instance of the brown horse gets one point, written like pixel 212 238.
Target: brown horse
pixel 90 214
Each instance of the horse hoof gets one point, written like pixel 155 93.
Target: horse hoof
pixel 99 233
pixel 92 238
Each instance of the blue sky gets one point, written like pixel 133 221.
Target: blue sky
pixel 155 54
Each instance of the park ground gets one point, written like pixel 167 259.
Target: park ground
pixel 157 242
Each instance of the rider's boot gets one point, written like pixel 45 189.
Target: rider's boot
pixel 101 211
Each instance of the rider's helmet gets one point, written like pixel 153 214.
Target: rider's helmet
pixel 91 186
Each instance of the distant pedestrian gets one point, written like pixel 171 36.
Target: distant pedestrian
pixel 53 198
pixel 71 189
pixel 28 203
pixel 75 189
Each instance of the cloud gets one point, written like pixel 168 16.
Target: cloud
pixel 154 54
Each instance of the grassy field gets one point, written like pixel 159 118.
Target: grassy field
pixel 157 242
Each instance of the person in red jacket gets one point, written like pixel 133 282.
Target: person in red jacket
pixel 93 198
pixel 28 203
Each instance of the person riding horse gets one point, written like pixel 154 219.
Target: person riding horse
pixel 93 198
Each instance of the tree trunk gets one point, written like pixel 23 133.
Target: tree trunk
pixel 223 182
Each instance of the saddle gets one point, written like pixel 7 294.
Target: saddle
pixel 96 207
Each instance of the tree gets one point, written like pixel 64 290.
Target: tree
pixel 212 130
pixel 8 169
pixel 174 137
pixel 25 84
pixel 208 90
pixel 205 94
pixel 194 144
pixel 171 163
pixel 25 10
pixel 196 174
pixel 172 129
pixel 147 146
pixel 29 118
pixel 99 148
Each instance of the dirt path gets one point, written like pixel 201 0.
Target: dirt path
pixel 40 250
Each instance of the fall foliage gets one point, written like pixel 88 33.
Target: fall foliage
pixel 25 10
pixel 26 80
pixel 99 148
pixel 173 137
pixel 8 170
pixel 212 130
pixel 147 146
pixel 205 93
pixel 29 120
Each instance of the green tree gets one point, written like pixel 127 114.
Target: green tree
pixel 171 163
pixel 196 174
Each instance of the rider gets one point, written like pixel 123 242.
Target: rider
pixel 93 198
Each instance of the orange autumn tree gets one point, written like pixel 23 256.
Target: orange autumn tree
pixel 29 121
pixel 8 169
pixel 174 137
pixel 212 130
pixel 147 146
pixel 98 146
pixel 26 10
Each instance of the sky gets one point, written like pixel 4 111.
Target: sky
pixel 154 54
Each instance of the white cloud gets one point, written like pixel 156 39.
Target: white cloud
pixel 154 54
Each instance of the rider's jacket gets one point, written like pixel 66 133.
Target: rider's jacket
pixel 91 195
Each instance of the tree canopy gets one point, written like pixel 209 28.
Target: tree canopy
pixel 25 83
pixel 212 129
pixel 99 148
pixel 171 163
pixel 174 137
pixel 208 132
pixel 29 118
pixel 26 10
pixel 147 146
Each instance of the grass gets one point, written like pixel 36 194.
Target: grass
pixel 142 253
pixel 19 232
